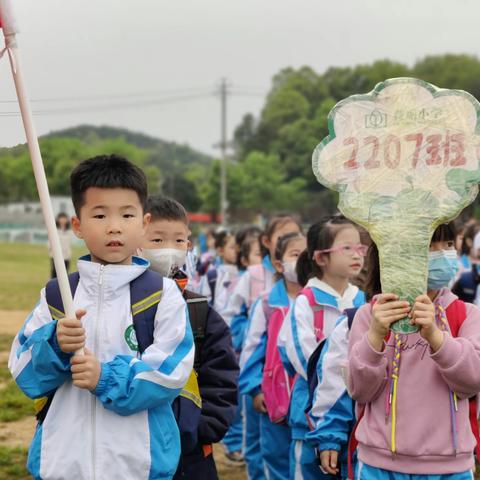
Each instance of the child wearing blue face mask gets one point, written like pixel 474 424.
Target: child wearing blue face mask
pixel 427 429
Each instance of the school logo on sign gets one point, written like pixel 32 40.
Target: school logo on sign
pixel 131 338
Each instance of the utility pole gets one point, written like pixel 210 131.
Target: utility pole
pixel 223 149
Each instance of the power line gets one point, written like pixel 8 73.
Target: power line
pixel 112 106
pixel 103 96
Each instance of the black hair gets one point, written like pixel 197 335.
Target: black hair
pixel 446 232
pixel 164 208
pixel 62 215
pixel 373 286
pixel 247 232
pixel 284 242
pixel 469 234
pixel 222 237
pixel 320 236
pixel 245 249
pixel 276 222
pixel 106 171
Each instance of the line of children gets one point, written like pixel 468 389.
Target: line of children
pixel 248 246
pixel 255 281
pixel 263 375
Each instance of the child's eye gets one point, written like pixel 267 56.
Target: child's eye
pixel 128 215
pixel 99 216
pixel 179 240
pixel 157 240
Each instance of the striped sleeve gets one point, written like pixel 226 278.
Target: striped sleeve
pixel 332 410
pixel 300 337
pixel 36 362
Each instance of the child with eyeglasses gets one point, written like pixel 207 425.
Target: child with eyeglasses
pixel 333 256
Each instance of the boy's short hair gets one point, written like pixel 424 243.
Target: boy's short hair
pixel 164 208
pixel 107 171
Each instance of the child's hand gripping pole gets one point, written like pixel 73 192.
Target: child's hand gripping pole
pixel 10 29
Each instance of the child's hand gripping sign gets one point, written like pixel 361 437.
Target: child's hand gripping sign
pixel 404 159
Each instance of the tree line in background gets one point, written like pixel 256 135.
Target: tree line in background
pixel 270 169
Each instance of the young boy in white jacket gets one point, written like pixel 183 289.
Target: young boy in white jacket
pixel 108 412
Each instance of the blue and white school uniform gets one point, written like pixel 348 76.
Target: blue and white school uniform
pixel 297 341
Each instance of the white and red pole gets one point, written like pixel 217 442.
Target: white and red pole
pixel 10 29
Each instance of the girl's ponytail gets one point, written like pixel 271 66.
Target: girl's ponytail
pixel 304 268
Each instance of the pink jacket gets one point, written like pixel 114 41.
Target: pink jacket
pixel 424 418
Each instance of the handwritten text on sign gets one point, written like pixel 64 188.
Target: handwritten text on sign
pixel 448 149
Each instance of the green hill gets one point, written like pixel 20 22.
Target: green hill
pixel 172 169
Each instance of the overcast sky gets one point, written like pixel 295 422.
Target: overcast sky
pixel 140 57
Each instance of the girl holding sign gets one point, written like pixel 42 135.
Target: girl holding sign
pixel 413 391
pixel 333 256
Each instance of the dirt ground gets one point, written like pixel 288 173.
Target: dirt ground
pixel 20 433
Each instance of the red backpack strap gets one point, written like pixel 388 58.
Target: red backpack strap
pixel 472 411
pixel 456 315
pixel 353 443
pixel 317 311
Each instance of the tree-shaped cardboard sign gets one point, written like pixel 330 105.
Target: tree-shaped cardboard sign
pixel 404 159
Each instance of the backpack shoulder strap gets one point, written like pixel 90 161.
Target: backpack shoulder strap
pixel 212 276
pixel 312 378
pixel 267 309
pixel 54 297
pixel 198 315
pixel 145 295
pixel 317 310
pixel 350 313
pixel 456 314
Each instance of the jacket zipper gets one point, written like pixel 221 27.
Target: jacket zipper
pixel 95 350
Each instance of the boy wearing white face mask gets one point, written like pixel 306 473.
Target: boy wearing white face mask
pixel 262 373
pixel 207 408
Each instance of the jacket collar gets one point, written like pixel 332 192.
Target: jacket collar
pixel 267 264
pixel 326 295
pixel 111 276
pixel 278 296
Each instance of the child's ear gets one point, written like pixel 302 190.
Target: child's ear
pixel 277 264
pixel 319 259
pixel 265 241
pixel 146 222
pixel 189 245
pixel 76 227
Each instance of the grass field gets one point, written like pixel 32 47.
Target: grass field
pixel 24 270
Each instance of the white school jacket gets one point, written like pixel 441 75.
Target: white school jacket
pixel 125 429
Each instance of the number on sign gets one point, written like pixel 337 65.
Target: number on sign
pixel 453 150
pixel 352 163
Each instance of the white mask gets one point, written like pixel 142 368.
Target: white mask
pixel 289 271
pixel 165 261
